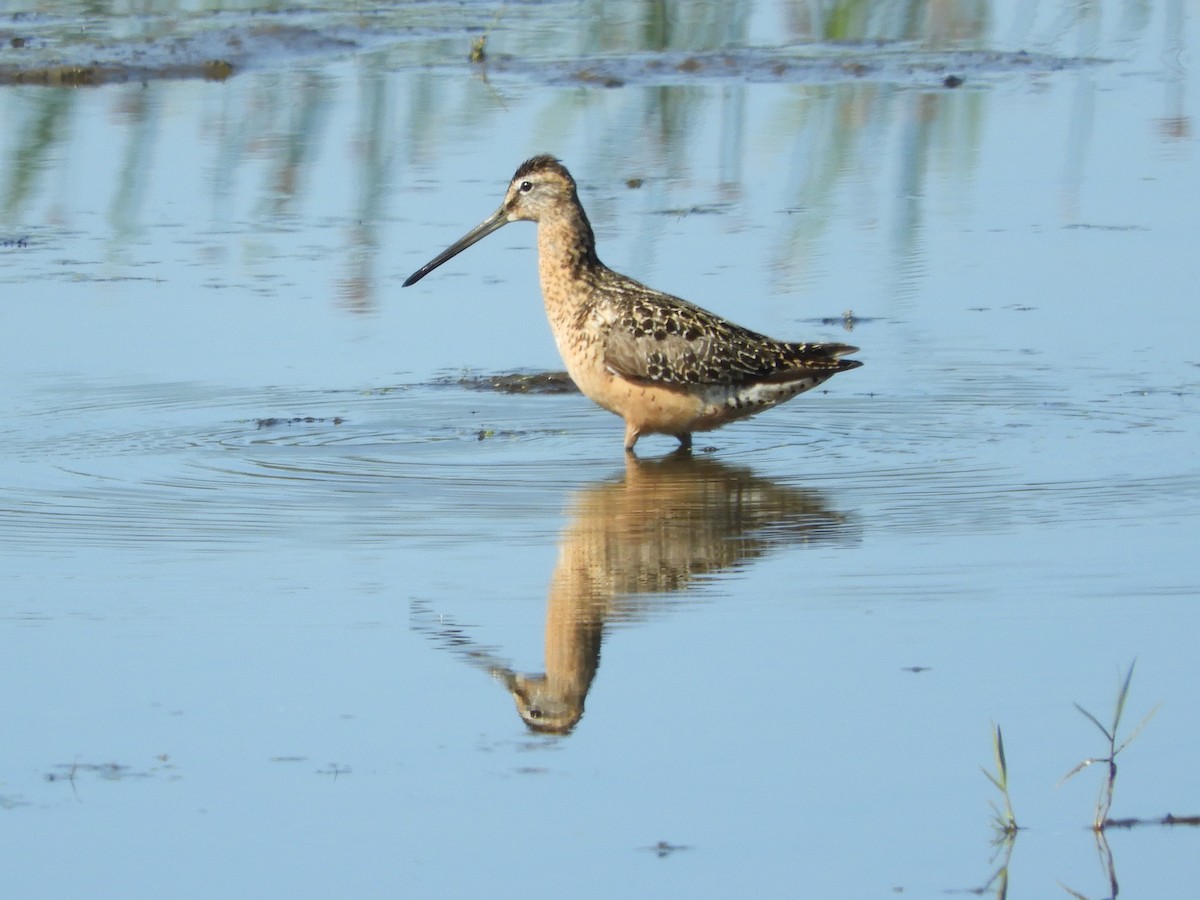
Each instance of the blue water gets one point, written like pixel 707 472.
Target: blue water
pixel 265 564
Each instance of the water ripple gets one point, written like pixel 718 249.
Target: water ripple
pixel 143 465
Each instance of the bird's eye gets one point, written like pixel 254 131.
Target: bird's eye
pixel 526 187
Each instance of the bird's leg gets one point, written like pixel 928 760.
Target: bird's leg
pixel 631 436
pixel 685 440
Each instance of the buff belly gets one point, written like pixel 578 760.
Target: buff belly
pixel 659 409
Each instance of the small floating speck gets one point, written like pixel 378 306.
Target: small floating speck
pixel 663 849
pixel 216 69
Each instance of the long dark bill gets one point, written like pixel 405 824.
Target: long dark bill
pixel 496 220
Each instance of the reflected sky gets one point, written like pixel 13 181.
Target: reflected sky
pixel 350 143
pixel 246 505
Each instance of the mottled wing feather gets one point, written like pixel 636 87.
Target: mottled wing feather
pixel 660 339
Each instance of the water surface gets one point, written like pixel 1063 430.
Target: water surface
pixel 276 587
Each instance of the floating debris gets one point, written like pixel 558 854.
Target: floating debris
pixel 848 320
pixel 900 65
pixel 217 70
pixel 110 771
pixel 298 420
pixel 212 54
pixel 478 51
pixel 519 383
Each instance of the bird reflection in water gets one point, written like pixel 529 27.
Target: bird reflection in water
pixel 631 546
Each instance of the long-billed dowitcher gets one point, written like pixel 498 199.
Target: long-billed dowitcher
pixel 662 364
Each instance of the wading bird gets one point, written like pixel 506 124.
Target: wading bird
pixel 662 364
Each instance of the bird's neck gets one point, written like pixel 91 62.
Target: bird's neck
pixel 567 258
